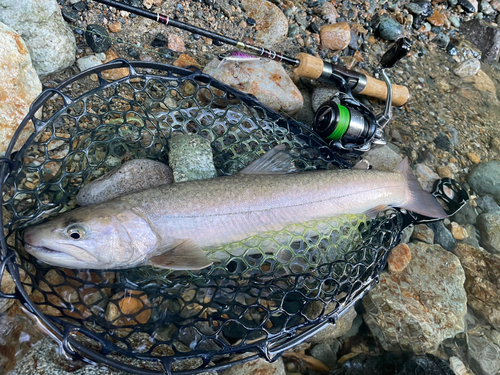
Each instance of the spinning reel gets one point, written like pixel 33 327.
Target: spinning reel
pixel 349 125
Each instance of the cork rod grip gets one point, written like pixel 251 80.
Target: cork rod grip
pixel 312 67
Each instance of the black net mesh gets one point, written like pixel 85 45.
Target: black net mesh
pixel 157 321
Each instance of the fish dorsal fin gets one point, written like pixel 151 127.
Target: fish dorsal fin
pixel 275 161
pixel 185 255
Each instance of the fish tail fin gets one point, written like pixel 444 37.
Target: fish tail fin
pixel 418 200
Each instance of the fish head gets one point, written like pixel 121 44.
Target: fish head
pixel 95 237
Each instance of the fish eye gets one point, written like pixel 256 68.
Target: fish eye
pixel 76 233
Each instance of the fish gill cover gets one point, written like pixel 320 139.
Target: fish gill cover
pixel 248 300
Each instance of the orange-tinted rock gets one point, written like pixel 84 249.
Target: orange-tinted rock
pixel 336 37
pixel 175 43
pixel 185 60
pixel 132 308
pixel 399 258
pixel 113 74
pixel 437 19
pixel 272 24
pixel 20 86
pixel 115 27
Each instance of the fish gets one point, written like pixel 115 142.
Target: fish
pixel 169 226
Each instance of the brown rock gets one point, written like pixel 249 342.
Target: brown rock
pixel 115 27
pixel 113 74
pixel 20 86
pixel 482 283
pixel 272 24
pixel 444 171
pixel 129 308
pixel 458 232
pixel 175 43
pixel 185 60
pixel 329 12
pixel 482 82
pixel 437 19
pixel 336 37
pixel 399 258
pixel 423 233
pixel 256 367
pixel 473 158
pixel 495 144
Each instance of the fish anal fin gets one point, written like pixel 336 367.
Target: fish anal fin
pixel 185 255
pixel 275 161
pixel 372 212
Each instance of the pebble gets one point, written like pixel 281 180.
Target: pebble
pixel 97 38
pixel 131 176
pixel 423 233
pixel 484 355
pixel 113 74
pixel 426 176
pixel 266 80
pixel 487 204
pixel 489 227
pixel 88 62
pixel 442 235
pixel 468 68
pixel 271 23
pixel 444 172
pixel 437 19
pixel 123 308
pixel 70 14
pixel 485 179
pixel 336 36
pixel 115 27
pixel 389 29
pixel 466 215
pixel 20 86
pixel 190 157
pixel 383 158
pixel 468 6
pixel 324 353
pixel 455 21
pixel 473 158
pixel 175 43
pixel 483 35
pixel 442 40
pixel 414 8
pixel 50 42
pixel 399 258
pixel 185 60
pixel 458 232
pixel 341 327
pixel 257 366
pixel 495 144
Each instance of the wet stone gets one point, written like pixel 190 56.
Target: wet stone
pixel 485 179
pixel 343 324
pixel 389 28
pixel 88 62
pixel 271 23
pixel 160 40
pixel 383 158
pixel 423 233
pixel 442 235
pixel 467 6
pixel 336 36
pixel 468 68
pixel 414 8
pixel 485 36
pixel 489 227
pixel 487 204
pixel 191 158
pixel 484 355
pixel 97 38
pixel 70 14
pixel 466 215
pixel 325 354
pixel 442 40
pixel 399 258
pixel 257 366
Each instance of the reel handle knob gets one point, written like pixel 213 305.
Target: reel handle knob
pixel 397 51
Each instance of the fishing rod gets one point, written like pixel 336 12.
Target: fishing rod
pixel 305 65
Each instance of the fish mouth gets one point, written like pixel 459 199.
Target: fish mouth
pixel 39 249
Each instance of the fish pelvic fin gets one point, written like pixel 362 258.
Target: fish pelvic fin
pixel 185 255
pixel 418 200
pixel 373 212
pixel 276 161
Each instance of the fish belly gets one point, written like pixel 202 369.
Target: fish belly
pixel 227 209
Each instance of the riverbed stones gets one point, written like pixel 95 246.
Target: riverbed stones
pixel 423 233
pixel 389 28
pixel 131 176
pixel 485 179
pixel 272 24
pixel 397 315
pixel 256 366
pixel 97 38
pixel 20 86
pixel 468 68
pixel 399 258
pixel 190 157
pixel 487 204
pixel 485 36
pixel 482 271
pixel 484 355
pixel 266 80
pixel 88 62
pixel 335 37
pixel 332 331
pixel 50 42
pixel 442 235
pixel 383 158
pixel 489 227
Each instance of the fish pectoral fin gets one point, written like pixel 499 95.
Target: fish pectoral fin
pixel 276 161
pixel 185 255
pixel 372 212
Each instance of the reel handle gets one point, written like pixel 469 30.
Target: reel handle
pixel 315 68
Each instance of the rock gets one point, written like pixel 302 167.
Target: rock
pixel 321 95
pixel 398 316
pixel 482 82
pixel 487 204
pixel 131 176
pixel 8 286
pixel 455 21
pixel 306 114
pixel 437 19
pixel 484 356
pixel 88 62
pixel 324 353
pixel 185 60
pixel 468 68
pixel 473 158
pixel 20 86
pixel 266 80
pixel 423 233
pixel 426 176
pixel 190 157
pixel 383 158
pixel 473 239
pixel 489 227
pixel 389 29
pixel 335 36
pixel 399 258
pixel 406 234
pixel 44 359
pixel 97 38
pixel 160 40
pixel 458 232
pixel 444 171
pixel 115 27
pixel 442 40
pixel 485 179
pixel 113 74
pixel 466 215
pixel 123 308
pixel 442 235
pixel 272 24
pixel 482 271
pixel 470 6
pixel 458 366
pixel 333 331
pixel 486 8
pixel 257 366
pixel 495 144
pixel 485 36
pixel 51 44
pixel 414 8
pixel 175 43
pixel 329 12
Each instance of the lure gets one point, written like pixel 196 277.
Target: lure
pixel 238 56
